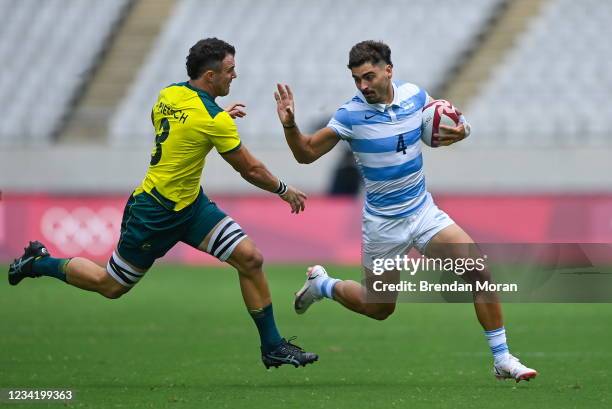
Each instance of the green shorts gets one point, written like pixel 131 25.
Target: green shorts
pixel 150 227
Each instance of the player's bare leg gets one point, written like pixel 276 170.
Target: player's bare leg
pixel 248 261
pixel 87 275
pixel 453 242
pixel 351 294
pixel 79 272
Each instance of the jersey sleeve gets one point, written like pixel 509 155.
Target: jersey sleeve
pixel 424 97
pixel 420 97
pixel 412 93
pixel 341 124
pixel 224 133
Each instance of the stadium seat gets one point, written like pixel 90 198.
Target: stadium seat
pixel 551 88
pixel 304 44
pixel 47 49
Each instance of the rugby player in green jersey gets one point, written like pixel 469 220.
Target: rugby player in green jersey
pixel 169 205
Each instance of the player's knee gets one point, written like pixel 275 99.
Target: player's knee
pixel 382 311
pixel 252 262
pixel 476 275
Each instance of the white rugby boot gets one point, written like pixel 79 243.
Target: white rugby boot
pixel 512 368
pixel 309 293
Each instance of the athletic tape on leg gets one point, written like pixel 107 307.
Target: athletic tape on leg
pixel 122 272
pixel 225 238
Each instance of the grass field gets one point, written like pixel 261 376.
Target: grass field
pixel 182 339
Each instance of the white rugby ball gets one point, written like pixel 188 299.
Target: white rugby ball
pixel 436 113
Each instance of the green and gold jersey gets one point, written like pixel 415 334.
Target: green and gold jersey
pixel 188 124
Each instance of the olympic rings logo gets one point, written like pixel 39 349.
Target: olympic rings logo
pixel 82 229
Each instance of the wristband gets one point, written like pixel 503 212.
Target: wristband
pixel 289 127
pixel 282 188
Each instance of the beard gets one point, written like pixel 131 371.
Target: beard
pixel 223 91
pixel 372 99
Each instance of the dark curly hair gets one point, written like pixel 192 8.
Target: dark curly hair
pixel 369 51
pixel 207 54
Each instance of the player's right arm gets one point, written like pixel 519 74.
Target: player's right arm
pixel 223 134
pixel 255 172
pixel 305 148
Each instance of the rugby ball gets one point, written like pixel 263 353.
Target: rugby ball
pixel 436 113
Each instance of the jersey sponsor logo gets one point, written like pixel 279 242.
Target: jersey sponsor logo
pixel 408 105
pixel 371 116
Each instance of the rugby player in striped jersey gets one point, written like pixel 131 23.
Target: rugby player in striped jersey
pixel 382 126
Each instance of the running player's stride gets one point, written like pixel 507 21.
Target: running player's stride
pixel 169 206
pixel 382 126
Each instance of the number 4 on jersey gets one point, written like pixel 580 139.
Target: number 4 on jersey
pixel 401 145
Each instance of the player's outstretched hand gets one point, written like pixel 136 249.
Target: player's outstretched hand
pixel 295 198
pixel 449 135
pixel 236 110
pixel 285 106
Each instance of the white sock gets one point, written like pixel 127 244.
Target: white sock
pixel 497 342
pixel 326 286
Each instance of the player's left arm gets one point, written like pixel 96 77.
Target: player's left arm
pixel 236 110
pixel 452 134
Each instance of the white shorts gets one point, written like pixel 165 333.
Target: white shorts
pixel 384 237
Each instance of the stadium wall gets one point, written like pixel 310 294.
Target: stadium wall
pixel 457 169
pixel 328 231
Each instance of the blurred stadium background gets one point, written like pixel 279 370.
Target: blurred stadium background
pixel 80 76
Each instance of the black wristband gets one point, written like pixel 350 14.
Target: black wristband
pixel 289 127
pixel 282 188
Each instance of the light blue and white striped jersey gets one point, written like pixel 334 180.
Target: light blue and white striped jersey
pixel 386 142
